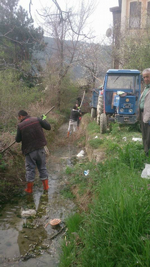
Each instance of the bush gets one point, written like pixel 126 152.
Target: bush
pixel 15 95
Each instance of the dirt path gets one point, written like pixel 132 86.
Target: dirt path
pixel 26 242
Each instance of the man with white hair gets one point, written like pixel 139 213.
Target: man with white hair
pixel 144 111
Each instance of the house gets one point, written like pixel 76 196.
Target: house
pixel 130 15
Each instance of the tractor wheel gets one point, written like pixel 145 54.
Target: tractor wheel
pixel 103 123
pixel 98 119
pixel 93 113
pixel 99 108
pixel 100 104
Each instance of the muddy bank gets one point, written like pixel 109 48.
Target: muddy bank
pixel 26 241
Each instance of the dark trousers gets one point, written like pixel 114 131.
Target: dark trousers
pixel 145 128
pixel 35 159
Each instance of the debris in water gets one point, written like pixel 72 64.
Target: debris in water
pixel 146 172
pixel 137 139
pixel 28 213
pixel 86 172
pixel 80 154
pixel 53 222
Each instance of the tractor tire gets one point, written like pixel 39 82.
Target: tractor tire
pixel 103 123
pixel 98 120
pixel 93 113
pixel 100 104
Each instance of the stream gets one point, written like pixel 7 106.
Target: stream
pixel 33 241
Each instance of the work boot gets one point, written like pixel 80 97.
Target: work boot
pixel 68 134
pixel 45 184
pixel 29 187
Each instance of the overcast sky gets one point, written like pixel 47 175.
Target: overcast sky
pixel 101 18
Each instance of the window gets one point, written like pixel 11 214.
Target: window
pixel 123 82
pixel 135 15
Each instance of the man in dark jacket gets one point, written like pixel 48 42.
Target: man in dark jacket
pixel 74 116
pixel 31 134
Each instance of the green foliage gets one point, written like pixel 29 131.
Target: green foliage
pixel 114 129
pixel 73 222
pixel 69 247
pixel 69 91
pixel 3 164
pixel 93 127
pixel 132 155
pixel 19 41
pixel 95 143
pixel 66 193
pixel 134 49
pixel 68 170
pixel 14 95
pixel 115 230
pixel 63 91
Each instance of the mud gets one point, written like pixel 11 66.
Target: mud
pixel 32 241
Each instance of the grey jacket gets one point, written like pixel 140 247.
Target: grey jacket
pixel 146 112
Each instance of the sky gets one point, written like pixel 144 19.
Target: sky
pixel 101 19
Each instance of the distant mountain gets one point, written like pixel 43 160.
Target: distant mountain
pixel 77 70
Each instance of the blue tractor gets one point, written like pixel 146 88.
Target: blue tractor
pixel 118 101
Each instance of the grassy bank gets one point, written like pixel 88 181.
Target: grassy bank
pixel 114 228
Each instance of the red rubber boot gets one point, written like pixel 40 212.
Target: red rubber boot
pixel 29 187
pixel 45 184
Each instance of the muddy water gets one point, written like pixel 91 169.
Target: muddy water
pixel 28 241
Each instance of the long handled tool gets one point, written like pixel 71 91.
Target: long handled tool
pixel 15 141
pixel 82 99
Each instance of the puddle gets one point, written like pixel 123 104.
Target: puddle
pixel 26 241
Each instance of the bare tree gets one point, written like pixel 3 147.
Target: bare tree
pixel 96 60
pixel 67 28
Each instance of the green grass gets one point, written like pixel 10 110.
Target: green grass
pixel 66 193
pixel 93 128
pixel 95 143
pixel 115 231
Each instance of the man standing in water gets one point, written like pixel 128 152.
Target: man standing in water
pixel 144 111
pixel 31 134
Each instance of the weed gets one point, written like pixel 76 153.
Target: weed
pixel 68 170
pixel 3 164
pixel 95 143
pixel 93 127
pixel 115 230
pixel 66 193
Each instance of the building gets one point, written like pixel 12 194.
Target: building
pixel 130 15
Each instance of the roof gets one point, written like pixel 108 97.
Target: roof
pixel 116 8
pixel 128 71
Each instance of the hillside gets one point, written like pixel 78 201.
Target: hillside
pixel 78 71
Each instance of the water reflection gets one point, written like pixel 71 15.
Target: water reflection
pixel 23 237
pixel 33 233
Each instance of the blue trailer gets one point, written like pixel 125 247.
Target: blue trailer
pixel 120 97
pixel 94 101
